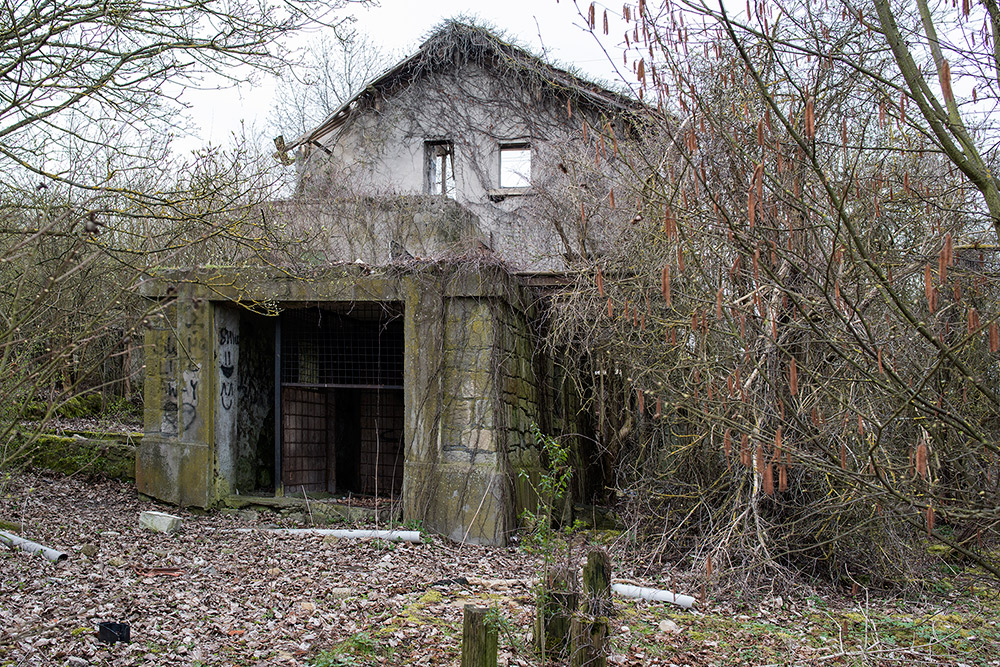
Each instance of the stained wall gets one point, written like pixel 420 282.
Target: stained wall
pixel 470 389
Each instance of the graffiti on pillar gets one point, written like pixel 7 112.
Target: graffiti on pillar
pixel 228 342
pixel 168 422
pixel 189 394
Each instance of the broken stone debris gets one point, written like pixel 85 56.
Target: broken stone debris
pixel 161 522
pixel 668 626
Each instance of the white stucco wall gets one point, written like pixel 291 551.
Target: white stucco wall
pixel 381 152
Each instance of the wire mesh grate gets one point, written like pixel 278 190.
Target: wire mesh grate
pixel 381 458
pixel 343 345
pixel 305 434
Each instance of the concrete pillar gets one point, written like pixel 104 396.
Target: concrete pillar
pixel 225 367
pixel 453 481
pixel 176 459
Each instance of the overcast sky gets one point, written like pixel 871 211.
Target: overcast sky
pixel 549 26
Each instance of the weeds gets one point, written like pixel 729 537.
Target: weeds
pixel 361 649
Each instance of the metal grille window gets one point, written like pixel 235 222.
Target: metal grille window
pixel 342 403
pixel 380 466
pixel 305 432
pixel 357 348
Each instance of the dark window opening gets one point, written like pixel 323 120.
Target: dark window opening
pixel 440 158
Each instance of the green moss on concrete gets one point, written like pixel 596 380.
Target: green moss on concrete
pixel 223 489
pixel 72 455
pixel 470 505
pixel 174 472
pixel 87 405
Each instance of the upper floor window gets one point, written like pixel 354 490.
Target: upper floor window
pixel 515 165
pixel 440 166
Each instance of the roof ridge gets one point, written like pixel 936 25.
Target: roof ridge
pixel 520 58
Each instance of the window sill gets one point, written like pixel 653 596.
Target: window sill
pixel 499 194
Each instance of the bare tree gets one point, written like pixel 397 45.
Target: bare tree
pixel 951 43
pixel 333 68
pixel 74 71
pixel 93 199
pixel 796 331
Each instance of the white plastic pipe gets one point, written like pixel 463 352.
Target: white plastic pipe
pixel 12 540
pixel 390 535
pixel 643 593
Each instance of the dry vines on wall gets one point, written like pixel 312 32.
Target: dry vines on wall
pixel 798 319
pixel 476 92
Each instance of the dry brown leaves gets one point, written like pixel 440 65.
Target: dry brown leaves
pixel 211 595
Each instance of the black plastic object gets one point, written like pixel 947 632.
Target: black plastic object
pixel 110 633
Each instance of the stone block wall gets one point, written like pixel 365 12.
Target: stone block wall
pixel 521 392
pixel 472 387
pixel 460 483
pixel 533 390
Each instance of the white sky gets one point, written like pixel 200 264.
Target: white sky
pixel 550 26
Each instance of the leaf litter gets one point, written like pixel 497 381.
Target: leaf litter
pixel 214 595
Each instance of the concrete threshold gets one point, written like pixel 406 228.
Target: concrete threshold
pixel 323 510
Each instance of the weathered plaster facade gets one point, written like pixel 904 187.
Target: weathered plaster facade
pixel 478 95
pixel 477 112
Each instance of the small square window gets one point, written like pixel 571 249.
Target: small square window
pixel 515 166
pixel 440 165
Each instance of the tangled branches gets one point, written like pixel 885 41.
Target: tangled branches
pixel 790 335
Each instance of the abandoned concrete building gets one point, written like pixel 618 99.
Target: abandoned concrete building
pixel 403 361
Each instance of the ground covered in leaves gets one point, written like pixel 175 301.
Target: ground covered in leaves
pixel 217 594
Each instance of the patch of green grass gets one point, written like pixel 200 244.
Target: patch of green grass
pixel 383 545
pixel 154 648
pixel 964 629
pixel 361 649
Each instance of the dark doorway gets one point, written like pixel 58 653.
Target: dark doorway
pixel 342 399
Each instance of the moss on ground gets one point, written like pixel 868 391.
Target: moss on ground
pixel 72 455
pixel 86 405
pixel 959 628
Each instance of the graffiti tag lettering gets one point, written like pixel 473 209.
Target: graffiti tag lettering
pixel 228 347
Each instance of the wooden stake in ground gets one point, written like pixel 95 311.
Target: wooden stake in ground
pixel 597 583
pixel 556 604
pixel 479 640
pixel 589 629
pixel 588 642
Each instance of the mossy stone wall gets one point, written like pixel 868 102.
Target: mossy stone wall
pixel 471 389
pixel 102 457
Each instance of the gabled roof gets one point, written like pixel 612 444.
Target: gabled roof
pixel 455 42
